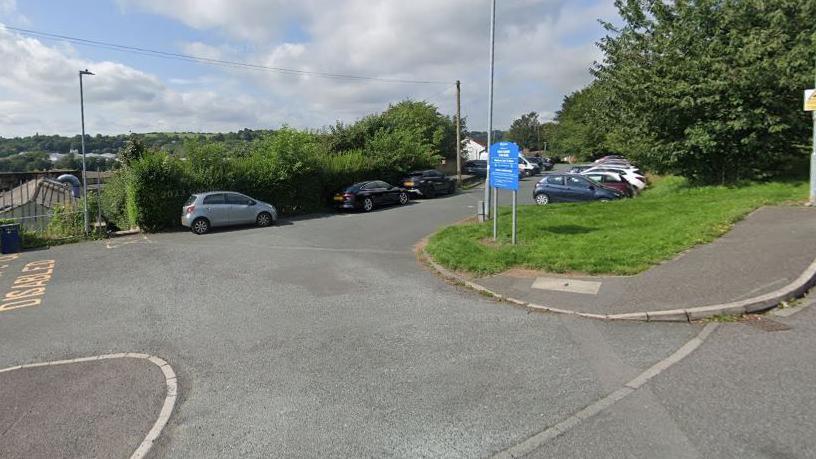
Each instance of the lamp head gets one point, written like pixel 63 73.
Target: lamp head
pixel 85 72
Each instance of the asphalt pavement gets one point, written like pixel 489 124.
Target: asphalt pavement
pixel 323 336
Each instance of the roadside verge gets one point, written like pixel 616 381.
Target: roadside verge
pixel 794 289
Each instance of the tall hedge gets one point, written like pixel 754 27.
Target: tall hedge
pixel 290 169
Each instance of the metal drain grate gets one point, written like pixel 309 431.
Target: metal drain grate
pixel 765 324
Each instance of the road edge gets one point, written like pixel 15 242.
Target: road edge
pixel 170 397
pixel 760 303
pixel 540 439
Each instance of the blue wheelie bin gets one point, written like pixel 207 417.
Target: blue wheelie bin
pixel 10 238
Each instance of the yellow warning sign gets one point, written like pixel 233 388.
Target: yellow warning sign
pixel 810 100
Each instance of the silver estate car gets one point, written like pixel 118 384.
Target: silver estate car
pixel 203 211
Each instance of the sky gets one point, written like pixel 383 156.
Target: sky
pixel 544 50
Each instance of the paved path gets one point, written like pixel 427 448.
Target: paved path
pixel 100 408
pixel 324 337
pixel 767 250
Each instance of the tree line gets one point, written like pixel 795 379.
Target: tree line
pixel 708 89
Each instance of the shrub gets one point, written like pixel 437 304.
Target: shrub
pixel 294 170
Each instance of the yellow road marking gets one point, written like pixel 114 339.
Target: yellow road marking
pixel 28 289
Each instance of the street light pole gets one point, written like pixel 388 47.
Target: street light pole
pixel 490 117
pixel 82 143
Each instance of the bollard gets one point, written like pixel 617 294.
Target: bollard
pixel 480 211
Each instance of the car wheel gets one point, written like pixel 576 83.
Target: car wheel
pixel 368 204
pixel 264 219
pixel 542 199
pixel 200 225
pixel 403 198
pixel 452 188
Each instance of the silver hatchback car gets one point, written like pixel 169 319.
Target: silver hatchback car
pixel 203 211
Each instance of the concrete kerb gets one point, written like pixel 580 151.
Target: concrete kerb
pixel 171 394
pixel 795 289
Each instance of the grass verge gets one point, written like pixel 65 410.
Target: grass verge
pixel 622 237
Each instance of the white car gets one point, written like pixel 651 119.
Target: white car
pixel 527 167
pixel 636 180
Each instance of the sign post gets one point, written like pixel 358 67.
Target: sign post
pixel 810 106
pixel 504 174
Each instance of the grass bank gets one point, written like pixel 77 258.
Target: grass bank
pixel 623 237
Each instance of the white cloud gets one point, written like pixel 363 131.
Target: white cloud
pixel 544 49
pixel 39 92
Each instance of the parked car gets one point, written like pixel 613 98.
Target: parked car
pixel 429 183
pixel 571 188
pixel 545 164
pixel 370 194
pixel 477 167
pixel 612 180
pixel 527 167
pixel 203 211
pixel 578 169
pixel 610 158
pixel 637 180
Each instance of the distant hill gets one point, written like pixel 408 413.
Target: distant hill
pixel 101 144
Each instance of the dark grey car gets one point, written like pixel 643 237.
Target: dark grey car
pixel 203 211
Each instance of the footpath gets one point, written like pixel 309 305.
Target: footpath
pixel 767 258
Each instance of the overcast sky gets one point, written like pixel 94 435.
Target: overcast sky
pixel 544 49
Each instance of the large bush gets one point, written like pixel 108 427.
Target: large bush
pixel 157 187
pixel 710 89
pixel 297 171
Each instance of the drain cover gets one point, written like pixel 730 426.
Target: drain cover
pixel 765 324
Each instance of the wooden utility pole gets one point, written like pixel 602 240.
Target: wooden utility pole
pixel 458 133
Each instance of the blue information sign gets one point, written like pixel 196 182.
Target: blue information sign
pixel 504 166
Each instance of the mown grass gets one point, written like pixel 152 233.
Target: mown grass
pixel 622 237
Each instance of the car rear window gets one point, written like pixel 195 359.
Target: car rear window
pixel 555 180
pixel 190 200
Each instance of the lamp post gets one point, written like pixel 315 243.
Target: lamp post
pixel 82 143
pixel 490 123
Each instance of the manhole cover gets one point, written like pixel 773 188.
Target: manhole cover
pixel 766 324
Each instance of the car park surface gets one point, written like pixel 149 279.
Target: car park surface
pixel 325 337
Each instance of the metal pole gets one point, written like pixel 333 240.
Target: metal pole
pixel 82 143
pixel 490 110
pixel 98 196
pixel 515 197
pixel 458 133
pixel 495 212
pixel 813 157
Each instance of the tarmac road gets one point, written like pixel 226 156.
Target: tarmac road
pixel 323 336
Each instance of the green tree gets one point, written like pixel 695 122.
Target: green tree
pixel 581 128
pixel 526 132
pixel 133 150
pixel 710 89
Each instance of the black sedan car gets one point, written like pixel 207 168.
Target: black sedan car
pixel 371 194
pixel 476 167
pixel 429 183
pixel 571 188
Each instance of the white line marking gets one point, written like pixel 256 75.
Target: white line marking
pixel 540 439
pixel 169 399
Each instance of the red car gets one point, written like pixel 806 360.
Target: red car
pixel 614 181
